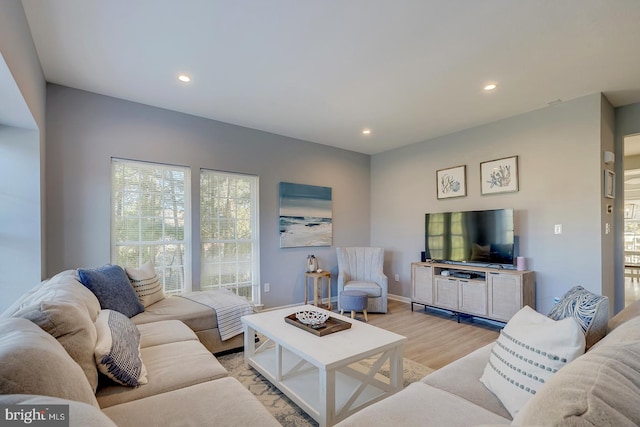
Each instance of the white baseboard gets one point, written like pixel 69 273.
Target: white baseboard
pixel 399 298
pixel 335 299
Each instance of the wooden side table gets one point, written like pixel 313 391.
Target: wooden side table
pixel 317 276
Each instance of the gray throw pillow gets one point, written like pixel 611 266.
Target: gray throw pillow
pixel 111 286
pixel 72 326
pixel 33 362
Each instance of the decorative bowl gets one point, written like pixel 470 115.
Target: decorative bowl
pixel 314 319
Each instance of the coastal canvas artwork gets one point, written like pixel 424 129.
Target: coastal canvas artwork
pixel 305 215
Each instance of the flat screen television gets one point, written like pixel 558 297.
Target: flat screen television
pixel 476 237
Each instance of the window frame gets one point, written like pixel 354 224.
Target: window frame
pixel 187 238
pixel 254 240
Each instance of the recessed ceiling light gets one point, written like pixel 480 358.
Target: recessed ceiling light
pixel 366 131
pixel 184 78
pixel 490 87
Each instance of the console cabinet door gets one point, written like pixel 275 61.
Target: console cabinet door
pixel 505 295
pixel 422 282
pixel 473 297
pixel 446 292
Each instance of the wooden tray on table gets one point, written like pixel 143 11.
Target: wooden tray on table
pixel 332 325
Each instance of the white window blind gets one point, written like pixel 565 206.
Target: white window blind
pixel 151 220
pixel 229 233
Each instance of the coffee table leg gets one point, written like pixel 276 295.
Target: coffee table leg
pixel 278 373
pixel 327 393
pixel 249 344
pixel 396 374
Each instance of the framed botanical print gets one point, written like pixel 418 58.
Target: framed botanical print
pixel 452 182
pixel 499 176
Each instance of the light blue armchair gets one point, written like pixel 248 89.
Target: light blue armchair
pixel 360 268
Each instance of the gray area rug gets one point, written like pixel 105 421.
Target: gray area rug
pixel 284 410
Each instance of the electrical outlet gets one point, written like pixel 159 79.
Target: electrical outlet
pixel 397 277
pixel 267 287
pixel 557 229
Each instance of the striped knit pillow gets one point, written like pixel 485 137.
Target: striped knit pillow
pixel 146 283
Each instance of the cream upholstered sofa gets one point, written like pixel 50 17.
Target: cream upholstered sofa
pixel 599 388
pixel 48 341
pixel 360 269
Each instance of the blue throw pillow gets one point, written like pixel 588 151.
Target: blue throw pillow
pixel 111 286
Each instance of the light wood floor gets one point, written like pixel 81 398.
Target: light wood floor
pixel 631 290
pixel 435 338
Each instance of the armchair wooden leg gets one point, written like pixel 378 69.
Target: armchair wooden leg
pixel 366 319
pixel 353 314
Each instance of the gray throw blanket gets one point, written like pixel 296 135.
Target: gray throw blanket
pixel 228 306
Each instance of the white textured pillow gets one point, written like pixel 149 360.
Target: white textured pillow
pixel 146 283
pixel 118 349
pixel 530 349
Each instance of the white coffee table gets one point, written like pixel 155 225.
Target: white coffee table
pixel 321 374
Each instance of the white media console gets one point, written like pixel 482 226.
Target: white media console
pixel 490 293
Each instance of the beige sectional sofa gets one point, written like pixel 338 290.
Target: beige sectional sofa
pixel 599 388
pixel 47 343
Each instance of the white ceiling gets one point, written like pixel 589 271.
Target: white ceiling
pixel 321 71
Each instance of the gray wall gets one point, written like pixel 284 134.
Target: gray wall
pixel 22 151
pixel 627 123
pixel 85 130
pixel 560 176
pixel 607 218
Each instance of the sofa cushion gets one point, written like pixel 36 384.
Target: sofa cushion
pixel 146 283
pixel 600 388
pixel 33 362
pixel 72 327
pixel 590 310
pixel 462 378
pixel 80 414
pixel 117 350
pixel 203 404
pixel 196 316
pixel 113 289
pixel 423 405
pixel 164 332
pixel 530 349
pixel 169 367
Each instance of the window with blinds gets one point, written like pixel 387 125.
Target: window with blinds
pixel 151 220
pixel 229 233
